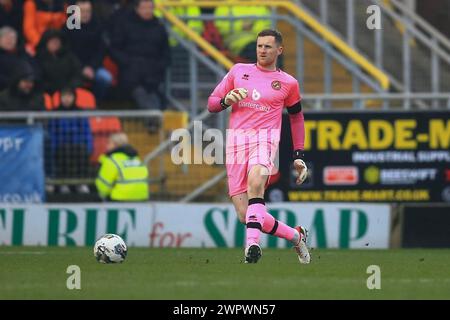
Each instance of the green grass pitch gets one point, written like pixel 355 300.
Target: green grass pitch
pixel 40 273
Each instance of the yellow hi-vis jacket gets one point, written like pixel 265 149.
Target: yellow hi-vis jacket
pixel 239 33
pixel 122 176
pixel 191 11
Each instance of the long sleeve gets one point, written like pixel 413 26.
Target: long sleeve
pixel 296 118
pixel 106 177
pixel 96 60
pixel 118 39
pixel 225 86
pixel 297 121
pixel 76 69
pixel 32 36
pixel 214 104
pixel 165 50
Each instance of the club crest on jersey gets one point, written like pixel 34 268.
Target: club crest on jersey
pixel 276 85
pixel 245 77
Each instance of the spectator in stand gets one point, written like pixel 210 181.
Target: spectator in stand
pixel 87 43
pixel 11 14
pixel 22 94
pixel 140 47
pixel 70 143
pixel 39 16
pixel 110 12
pixel 190 11
pixel 105 9
pixel 239 35
pixel 122 175
pixel 58 67
pixel 11 55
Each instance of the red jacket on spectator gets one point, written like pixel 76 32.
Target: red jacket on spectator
pixel 40 15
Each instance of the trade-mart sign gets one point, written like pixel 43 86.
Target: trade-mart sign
pixel 368 157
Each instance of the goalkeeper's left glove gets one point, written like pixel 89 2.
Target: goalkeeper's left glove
pixel 300 166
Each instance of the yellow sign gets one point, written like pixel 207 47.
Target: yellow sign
pixel 361 195
pixel 398 134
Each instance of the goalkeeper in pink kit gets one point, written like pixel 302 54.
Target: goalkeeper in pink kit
pixel 257 94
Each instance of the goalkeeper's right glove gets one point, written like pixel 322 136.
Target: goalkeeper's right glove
pixel 234 96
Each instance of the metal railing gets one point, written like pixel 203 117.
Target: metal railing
pixel 300 14
pixel 32 117
pixel 414 54
pixel 195 63
pixel 421 25
pixel 74 140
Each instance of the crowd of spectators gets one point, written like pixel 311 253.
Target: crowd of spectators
pixel 47 64
pixel 121 43
pixel 34 34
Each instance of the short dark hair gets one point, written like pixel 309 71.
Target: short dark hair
pixel 274 33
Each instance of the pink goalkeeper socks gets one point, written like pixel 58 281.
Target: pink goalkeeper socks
pixel 258 219
pixel 254 220
pixel 277 228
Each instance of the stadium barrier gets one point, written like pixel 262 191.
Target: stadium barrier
pixel 73 142
pixel 425 225
pixel 339 225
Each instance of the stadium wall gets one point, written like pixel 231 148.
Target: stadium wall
pixel 425 225
pixel 337 225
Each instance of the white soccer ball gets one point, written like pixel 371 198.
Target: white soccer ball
pixel 110 248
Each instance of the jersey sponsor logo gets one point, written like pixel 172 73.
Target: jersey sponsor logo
pixel 276 85
pixel 340 175
pixel 256 95
pixel 252 105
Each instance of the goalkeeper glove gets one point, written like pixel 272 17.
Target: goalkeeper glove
pixel 300 166
pixel 234 96
pixel 302 170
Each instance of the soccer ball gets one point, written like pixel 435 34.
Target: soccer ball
pixel 110 248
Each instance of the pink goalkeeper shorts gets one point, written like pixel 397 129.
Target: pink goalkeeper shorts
pixel 239 162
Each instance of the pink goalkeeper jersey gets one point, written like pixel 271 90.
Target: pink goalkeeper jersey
pixel 268 93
